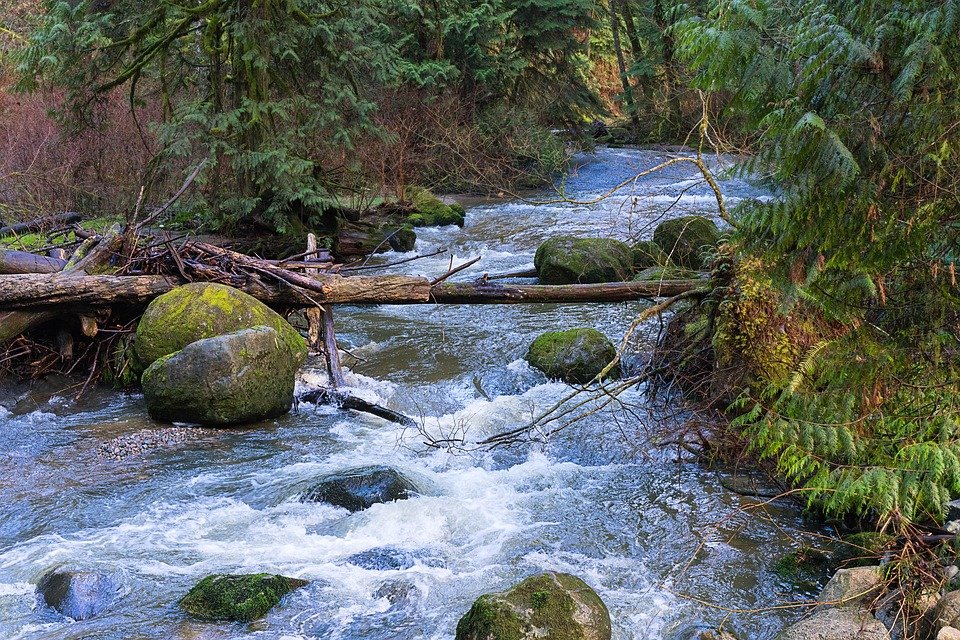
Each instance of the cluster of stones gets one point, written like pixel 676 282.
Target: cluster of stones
pixel 581 355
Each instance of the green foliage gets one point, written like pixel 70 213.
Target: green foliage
pixel 855 105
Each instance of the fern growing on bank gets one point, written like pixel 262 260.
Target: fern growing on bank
pixel 856 107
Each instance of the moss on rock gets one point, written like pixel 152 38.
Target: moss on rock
pixel 665 273
pixel 203 310
pixel 226 380
pixel 551 605
pixel 240 598
pixel 804 568
pixel 646 254
pixel 575 355
pixel 687 240
pixel 570 260
pixel 431 211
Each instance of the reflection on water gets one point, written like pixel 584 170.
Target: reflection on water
pixel 594 500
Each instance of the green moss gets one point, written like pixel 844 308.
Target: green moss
pixel 240 598
pixel 804 568
pixel 646 254
pixel 430 211
pixel 687 240
pixel 570 260
pixel 653 274
pixel 575 355
pixel 547 605
pixel 204 310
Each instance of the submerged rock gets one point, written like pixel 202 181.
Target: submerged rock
pixel 547 605
pixel 240 598
pixel 203 310
pixel 79 594
pixel 687 239
pixel 804 568
pixel 227 380
pixel 362 488
pixel 570 260
pixel 646 254
pixel 575 355
pixel 837 624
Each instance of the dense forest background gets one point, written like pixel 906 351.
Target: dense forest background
pixel 839 321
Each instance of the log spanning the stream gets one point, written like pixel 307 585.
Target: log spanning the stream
pixel 38 292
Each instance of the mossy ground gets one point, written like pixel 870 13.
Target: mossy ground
pixel 240 598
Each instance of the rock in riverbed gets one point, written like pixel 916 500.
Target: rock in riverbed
pixel 240 598
pixel 227 380
pixel 79 594
pixel 547 605
pixel 687 239
pixel 362 488
pixel 570 260
pixel 574 356
pixel 204 310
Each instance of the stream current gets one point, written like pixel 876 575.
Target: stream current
pixel 657 538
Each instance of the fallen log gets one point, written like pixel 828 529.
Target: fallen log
pixel 40 223
pixel 41 291
pixel 23 262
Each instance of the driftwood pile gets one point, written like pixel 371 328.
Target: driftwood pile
pixel 99 290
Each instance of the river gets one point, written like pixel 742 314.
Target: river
pixel 660 540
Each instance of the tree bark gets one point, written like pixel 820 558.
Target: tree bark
pixel 40 292
pixel 22 262
pixel 40 223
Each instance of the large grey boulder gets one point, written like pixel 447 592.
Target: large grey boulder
pixel 231 379
pixel 359 489
pixel 857 586
pixel 204 310
pixel 547 605
pixel 79 594
pixel 570 260
pixel 837 623
pixel 687 240
pixel 575 355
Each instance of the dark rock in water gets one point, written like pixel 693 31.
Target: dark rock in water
pixel 391 559
pixel 396 591
pixel 804 569
pixel 862 549
pixel 227 380
pixel 687 240
pixel 237 597
pixel 403 239
pixel 360 489
pixel 575 356
pixel 548 605
pixel 204 310
pixel 79 594
pixel 386 559
pixel 570 260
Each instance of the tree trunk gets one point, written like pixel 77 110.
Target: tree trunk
pixel 41 292
pixel 22 262
pixel 622 66
pixel 40 223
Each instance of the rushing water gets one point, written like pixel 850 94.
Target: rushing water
pixel 657 538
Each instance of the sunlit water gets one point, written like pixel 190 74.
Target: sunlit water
pixel 658 539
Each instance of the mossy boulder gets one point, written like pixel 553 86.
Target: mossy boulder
pixel 403 239
pixel 240 598
pixel 226 380
pixel 553 606
pixel 646 254
pixel 203 310
pixel 687 240
pixel 575 355
pixel 570 260
pixel 652 274
pixel 431 211
pixel 359 489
